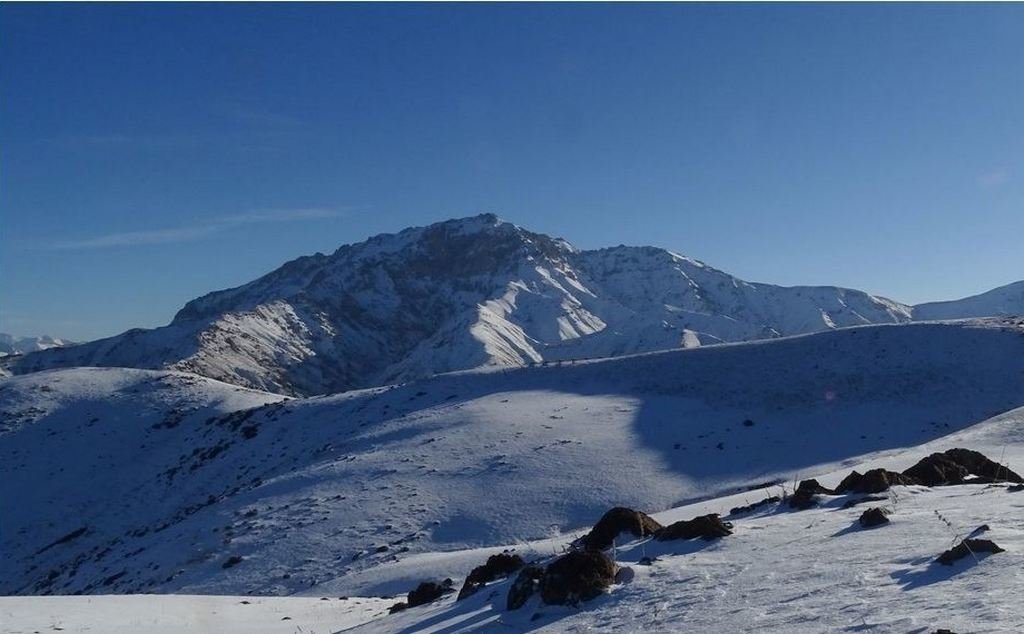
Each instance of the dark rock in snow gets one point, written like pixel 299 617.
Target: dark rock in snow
pixel 231 561
pixel 968 547
pixel 874 481
pixel 706 526
pixel 578 576
pixel 936 470
pixel 953 467
pixel 874 516
pixel 398 607
pixel 428 592
pixel 739 510
pixel 978 464
pixel 497 567
pixel 618 520
pixel 803 498
pixel 524 586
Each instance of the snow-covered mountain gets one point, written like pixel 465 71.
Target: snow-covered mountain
pixel 120 481
pixel 1005 300
pixel 462 294
pixel 9 344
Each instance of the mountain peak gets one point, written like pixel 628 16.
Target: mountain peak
pixel 465 293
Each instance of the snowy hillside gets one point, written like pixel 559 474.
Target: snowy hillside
pixel 601 434
pixel 462 294
pixel 1005 300
pixel 130 481
pixel 9 344
pixel 787 570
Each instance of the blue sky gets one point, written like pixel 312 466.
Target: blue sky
pixel 150 154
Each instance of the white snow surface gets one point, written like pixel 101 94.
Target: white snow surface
pixel 181 614
pixel 793 571
pixel 130 481
pixel 1005 300
pixel 781 571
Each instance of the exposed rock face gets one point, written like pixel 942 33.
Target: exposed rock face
pixel 955 465
pixel 706 527
pixel 575 577
pixel 966 548
pixel 525 586
pixel 874 516
pixel 803 498
pixel 618 520
pixel 426 592
pixel 874 481
pixel 497 567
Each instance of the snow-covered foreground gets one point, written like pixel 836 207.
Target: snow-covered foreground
pixel 180 614
pixel 128 481
pixel 782 570
pixel 802 571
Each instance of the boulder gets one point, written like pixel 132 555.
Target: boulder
pixel 575 577
pixel 874 481
pixel 874 516
pixel 955 465
pixel 978 464
pixel 803 498
pixel 428 592
pixel 968 547
pixel 524 586
pixel 497 567
pixel 618 520
pixel 706 526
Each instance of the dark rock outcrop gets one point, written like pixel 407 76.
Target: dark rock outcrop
pixel 618 520
pixel 426 592
pixel 803 498
pixel 740 510
pixel 497 567
pixel 955 465
pixel 978 464
pixel 575 577
pixel 706 526
pixel 874 516
pixel 968 547
pixel 524 587
pixel 874 481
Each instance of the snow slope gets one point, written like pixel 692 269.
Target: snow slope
pixel 462 294
pixel 798 571
pixel 1005 300
pixel 781 571
pixel 121 481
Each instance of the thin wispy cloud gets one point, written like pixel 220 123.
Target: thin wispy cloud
pixel 198 231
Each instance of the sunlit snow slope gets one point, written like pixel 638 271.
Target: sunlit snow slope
pixel 130 481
